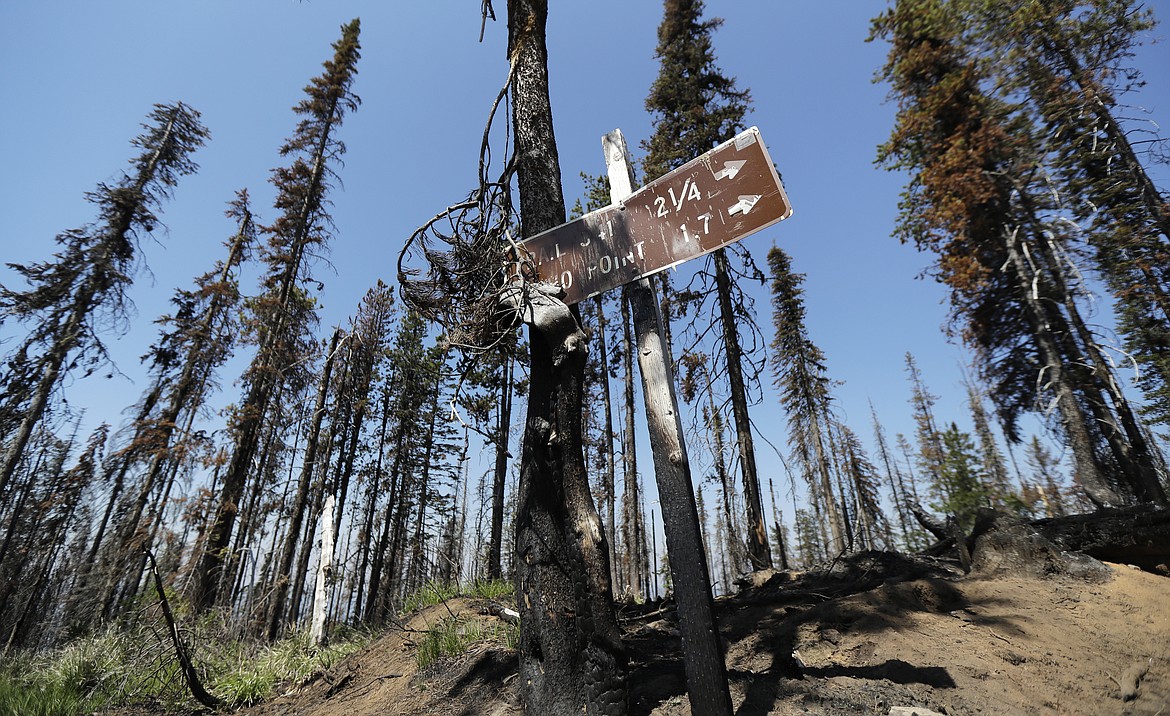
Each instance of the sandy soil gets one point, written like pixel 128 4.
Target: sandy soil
pixel 877 632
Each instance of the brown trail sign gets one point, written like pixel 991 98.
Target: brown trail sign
pixel 709 202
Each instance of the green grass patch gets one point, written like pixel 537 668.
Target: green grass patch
pixel 246 674
pixel 134 667
pixel 77 678
pixel 21 696
pixel 433 593
pixel 452 636
pixel 429 594
pixel 493 589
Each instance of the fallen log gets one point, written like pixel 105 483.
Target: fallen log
pixel 1137 535
pixel 1008 546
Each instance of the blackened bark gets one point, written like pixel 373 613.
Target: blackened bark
pixel 499 480
pixel 607 433
pixel 1138 535
pixel 571 657
pixel 190 675
pixel 702 651
pixel 300 502
pixel 632 537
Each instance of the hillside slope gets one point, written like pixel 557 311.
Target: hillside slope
pixel 876 632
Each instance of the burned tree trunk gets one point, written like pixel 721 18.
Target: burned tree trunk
pixel 1138 535
pixel 571 657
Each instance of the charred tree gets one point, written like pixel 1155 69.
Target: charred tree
pixel 87 283
pixel 571 656
pixel 284 312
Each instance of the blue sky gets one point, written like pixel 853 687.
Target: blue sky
pixel 79 77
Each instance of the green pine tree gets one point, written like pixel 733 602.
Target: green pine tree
pixel 959 488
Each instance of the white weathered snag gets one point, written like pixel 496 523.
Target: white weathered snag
pixel 324 571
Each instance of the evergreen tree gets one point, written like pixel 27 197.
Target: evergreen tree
pixel 365 354
pixel 284 314
pixel 810 548
pixel 377 472
pixel 701 509
pixel 803 386
pixel 1047 480
pixel 1070 59
pixel 85 287
pixel 487 389
pixel 199 336
pixel 979 198
pixel 407 396
pixel 960 489
pixel 873 529
pixel 27 594
pixel 439 471
pixel 931 452
pixel 695 107
pixel 912 536
pixel 295 518
pixel 989 454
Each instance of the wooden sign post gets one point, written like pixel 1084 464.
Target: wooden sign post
pixel 707 203
pixel 702 651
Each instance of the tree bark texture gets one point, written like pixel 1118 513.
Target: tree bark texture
pixel 284 568
pixel 1139 535
pixel 1086 465
pixel 607 433
pixel 571 657
pixel 702 651
pixel 500 475
pixel 632 531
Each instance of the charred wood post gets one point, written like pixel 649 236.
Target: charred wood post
pixel 702 651
pixel 189 674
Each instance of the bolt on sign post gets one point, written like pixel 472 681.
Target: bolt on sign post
pixel 709 202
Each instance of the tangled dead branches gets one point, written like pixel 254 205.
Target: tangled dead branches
pixel 453 267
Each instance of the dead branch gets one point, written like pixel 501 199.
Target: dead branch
pixel 931 525
pixel 189 674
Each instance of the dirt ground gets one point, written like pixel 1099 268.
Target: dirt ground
pixel 876 632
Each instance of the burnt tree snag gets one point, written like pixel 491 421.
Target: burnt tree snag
pixel 190 675
pixel 571 657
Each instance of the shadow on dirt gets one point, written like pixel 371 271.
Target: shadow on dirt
pixel 777 615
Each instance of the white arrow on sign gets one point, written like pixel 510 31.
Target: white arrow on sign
pixel 730 169
pixel 744 204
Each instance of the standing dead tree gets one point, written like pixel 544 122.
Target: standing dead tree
pixel 464 270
